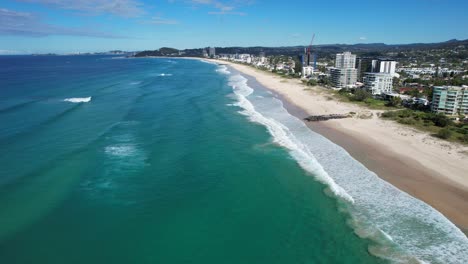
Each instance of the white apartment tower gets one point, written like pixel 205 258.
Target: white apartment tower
pixel 344 75
pixel 212 51
pixel 450 100
pixel 345 60
pixel 378 82
pixel 387 66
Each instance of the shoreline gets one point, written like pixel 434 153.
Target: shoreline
pixel 382 146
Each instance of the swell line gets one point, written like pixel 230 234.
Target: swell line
pixel 40 126
pixel 17 107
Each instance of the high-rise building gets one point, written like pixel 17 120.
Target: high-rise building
pixel 378 83
pixel 344 75
pixel 374 65
pixel 212 52
pixel 345 60
pixel 343 78
pixel 450 100
pixel 385 66
pixel 363 65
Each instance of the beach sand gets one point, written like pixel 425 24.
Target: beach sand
pixel 430 169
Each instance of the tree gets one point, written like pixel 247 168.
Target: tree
pixel 429 92
pixel 414 92
pixel 394 101
pixel 361 95
pixel 324 81
pixel 441 120
pixel 297 66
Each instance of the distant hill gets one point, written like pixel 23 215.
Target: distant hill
pixel 327 50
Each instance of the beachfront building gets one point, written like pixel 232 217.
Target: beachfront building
pixel 378 83
pixel 345 60
pixel 307 71
pixel 450 100
pixel 344 74
pixel 365 65
pixel 343 78
pixel 385 66
pixel 212 52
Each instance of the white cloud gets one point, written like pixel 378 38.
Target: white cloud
pixel 223 8
pixel 162 21
pixel 9 52
pixel 27 24
pixel 123 8
pixel 362 38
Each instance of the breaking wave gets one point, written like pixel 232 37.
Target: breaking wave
pixel 223 69
pixel 78 100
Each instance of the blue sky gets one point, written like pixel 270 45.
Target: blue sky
pixel 29 26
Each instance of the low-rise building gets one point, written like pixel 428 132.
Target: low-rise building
pixel 378 83
pixel 307 71
pixel 450 100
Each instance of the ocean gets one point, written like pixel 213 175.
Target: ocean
pixel 157 160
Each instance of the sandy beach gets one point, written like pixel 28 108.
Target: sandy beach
pixel 430 169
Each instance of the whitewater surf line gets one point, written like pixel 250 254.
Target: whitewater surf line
pixel 404 228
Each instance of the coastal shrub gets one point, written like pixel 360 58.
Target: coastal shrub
pixel 444 133
pixel 406 121
pixel 369 101
pixel 404 113
pixel 465 138
pixel 389 114
pixel 441 120
pixel 343 91
pixel 460 130
pixel 394 101
pixel 361 95
pixel 312 82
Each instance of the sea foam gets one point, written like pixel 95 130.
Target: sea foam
pixel 78 100
pixel 404 229
pixel 223 69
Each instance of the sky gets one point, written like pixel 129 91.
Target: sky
pixel 64 26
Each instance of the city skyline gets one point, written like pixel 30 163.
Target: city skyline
pixel 61 26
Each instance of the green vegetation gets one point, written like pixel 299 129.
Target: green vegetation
pixel 312 82
pixel 455 80
pixel 444 133
pixel 394 101
pixel 438 125
pixel 363 98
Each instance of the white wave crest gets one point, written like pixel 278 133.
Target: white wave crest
pixel 123 150
pixel 78 100
pixel 164 74
pixel 405 229
pixel 282 136
pixel 223 69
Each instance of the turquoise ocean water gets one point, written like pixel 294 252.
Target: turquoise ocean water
pixel 113 160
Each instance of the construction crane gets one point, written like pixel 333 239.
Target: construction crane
pixel 309 49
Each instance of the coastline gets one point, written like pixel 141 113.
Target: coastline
pixel 427 168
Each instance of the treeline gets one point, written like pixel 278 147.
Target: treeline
pixel 455 81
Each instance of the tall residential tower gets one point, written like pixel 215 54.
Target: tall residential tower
pixel 344 75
